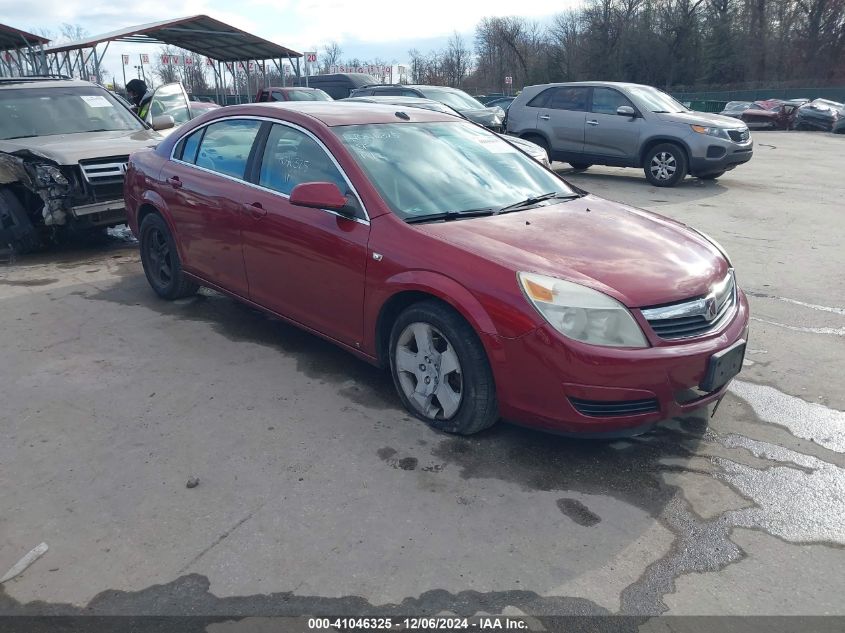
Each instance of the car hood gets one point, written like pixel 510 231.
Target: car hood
pixel 69 149
pixel 639 258
pixel 698 118
pixel 484 116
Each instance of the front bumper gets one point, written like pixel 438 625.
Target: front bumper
pixel 717 155
pixel 543 379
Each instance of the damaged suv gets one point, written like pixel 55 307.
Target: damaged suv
pixel 64 145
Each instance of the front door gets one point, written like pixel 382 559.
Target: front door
pixel 561 118
pixel 306 264
pixel 204 187
pixel 609 134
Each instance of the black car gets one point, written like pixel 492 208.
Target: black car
pixel 470 107
pixel 819 114
pixel 337 85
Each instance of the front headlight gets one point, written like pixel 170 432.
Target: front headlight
pixel 718 132
pixel 582 313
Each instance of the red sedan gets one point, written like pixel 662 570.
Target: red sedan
pixel 420 242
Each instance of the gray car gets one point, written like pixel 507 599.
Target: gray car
pixel 470 107
pixel 628 125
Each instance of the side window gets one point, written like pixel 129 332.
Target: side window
pixel 263 97
pixel 226 145
pixel 186 149
pixel 292 157
pixel 541 99
pixel 277 96
pixel 607 100
pixel 569 98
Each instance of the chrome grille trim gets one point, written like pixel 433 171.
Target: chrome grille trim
pixel 697 317
pixel 113 168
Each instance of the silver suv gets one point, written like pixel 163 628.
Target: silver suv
pixel 64 145
pixel 628 125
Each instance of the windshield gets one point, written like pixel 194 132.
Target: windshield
pixel 430 168
pixel 457 99
pixel 308 95
pixel 28 112
pixel 654 100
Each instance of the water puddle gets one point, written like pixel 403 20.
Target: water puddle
pixel 807 420
pixel 800 499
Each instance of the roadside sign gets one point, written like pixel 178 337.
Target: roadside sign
pixel 125 60
pixel 145 58
pixel 509 80
pixel 311 58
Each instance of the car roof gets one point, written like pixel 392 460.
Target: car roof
pixel 40 82
pixel 594 84
pixel 333 113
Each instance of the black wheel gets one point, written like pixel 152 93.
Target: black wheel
pixel 581 166
pixel 539 140
pixel 712 176
pixel 441 371
pixel 16 229
pixel 161 260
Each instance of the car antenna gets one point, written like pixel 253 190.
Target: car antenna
pixel 403 115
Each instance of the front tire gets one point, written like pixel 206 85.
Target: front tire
pixel 16 229
pixel 160 260
pixel 665 165
pixel 441 371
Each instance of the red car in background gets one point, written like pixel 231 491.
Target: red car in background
pixel 772 114
pixel 426 244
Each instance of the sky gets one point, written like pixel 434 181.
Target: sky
pixel 366 29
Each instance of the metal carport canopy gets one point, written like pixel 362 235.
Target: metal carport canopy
pixel 199 34
pixel 12 38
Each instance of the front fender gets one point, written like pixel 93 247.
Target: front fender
pixel 154 199
pixel 446 289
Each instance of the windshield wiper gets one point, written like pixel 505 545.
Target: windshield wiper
pixel 447 216
pixel 528 202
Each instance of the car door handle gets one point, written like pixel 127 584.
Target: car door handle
pixel 594 122
pixel 174 182
pixel 256 210
pixel 545 117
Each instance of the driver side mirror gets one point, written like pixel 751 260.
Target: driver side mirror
pixel 626 111
pixel 163 122
pixel 320 195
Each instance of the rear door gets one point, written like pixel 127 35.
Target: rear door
pixel 608 134
pixel 561 118
pixel 307 264
pixel 204 188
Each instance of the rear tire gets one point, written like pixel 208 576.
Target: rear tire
pixel 441 371
pixel 16 229
pixel 160 260
pixel 665 165
pixel 539 140
pixel 581 166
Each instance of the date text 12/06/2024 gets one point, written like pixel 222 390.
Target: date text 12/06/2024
pixel 421 623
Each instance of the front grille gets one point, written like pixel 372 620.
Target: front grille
pixel 605 409
pixel 697 317
pixel 105 177
pixel 739 136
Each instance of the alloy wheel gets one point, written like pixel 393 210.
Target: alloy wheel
pixel 663 166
